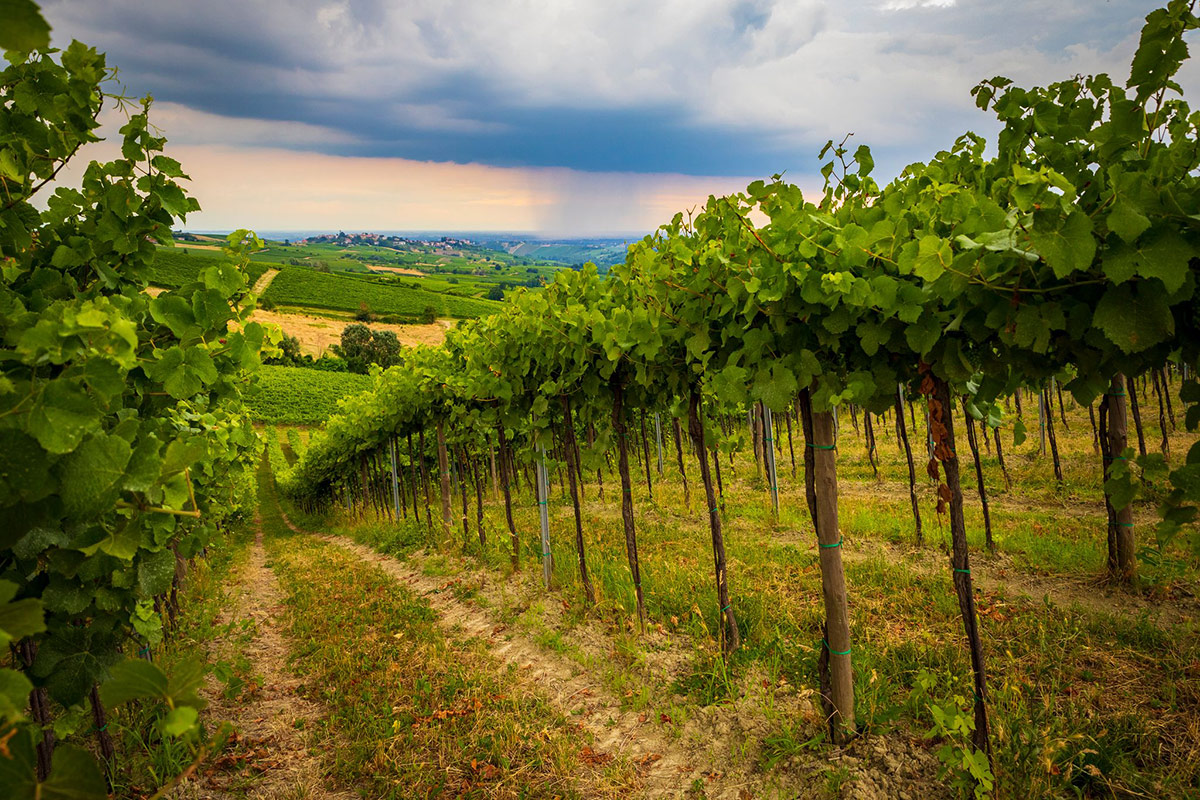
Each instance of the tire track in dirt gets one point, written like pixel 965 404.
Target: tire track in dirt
pixel 703 751
pixel 272 721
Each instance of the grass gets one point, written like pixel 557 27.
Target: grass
pixel 302 396
pixel 411 713
pixel 1085 701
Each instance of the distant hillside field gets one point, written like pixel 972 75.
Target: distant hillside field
pixel 302 396
pixel 302 287
pixel 173 267
pixel 571 253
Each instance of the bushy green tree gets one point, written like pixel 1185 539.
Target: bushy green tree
pixel 361 347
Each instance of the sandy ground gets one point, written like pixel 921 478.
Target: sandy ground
pixel 317 334
pixel 273 720
pixel 263 282
pixel 399 271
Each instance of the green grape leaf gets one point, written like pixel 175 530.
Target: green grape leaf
pixel 156 571
pixel 20 618
pixel 133 679
pixel 14 693
pixel 71 660
pixel 89 475
pixel 63 415
pixel 24 28
pixel 1165 256
pixel 24 469
pixel 180 721
pixel 1134 318
pixel 145 464
pixel 176 313
pixel 183 372
pixel 1068 249
pixel 74 774
pixel 933 255
pixel 1125 220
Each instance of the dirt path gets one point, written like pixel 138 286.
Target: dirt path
pixel 716 747
pixel 263 282
pixel 662 763
pixel 271 719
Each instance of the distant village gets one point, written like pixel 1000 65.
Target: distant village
pixel 382 240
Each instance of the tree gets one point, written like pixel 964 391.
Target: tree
pixel 361 347
pixel 289 353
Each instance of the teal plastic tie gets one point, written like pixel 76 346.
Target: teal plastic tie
pixel 541 502
pixel 1114 394
pixel 838 544
pixel 102 728
pixel 835 652
pixel 726 608
pixel 821 446
pixel 714 511
pixel 963 571
pixel 1125 524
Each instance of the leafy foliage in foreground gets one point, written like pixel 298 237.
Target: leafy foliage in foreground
pixel 173 268
pixel 126 446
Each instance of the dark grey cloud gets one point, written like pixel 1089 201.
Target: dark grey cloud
pixel 704 87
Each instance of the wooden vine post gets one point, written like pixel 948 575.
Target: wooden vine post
pixel 506 476
pixel 658 440
pixel 444 473
pixel 973 441
pixel 1048 431
pixel 461 458
pixel 476 471
pixel 1122 564
pixel 769 457
pixel 425 481
pixel 902 434
pixel 618 417
pixel 730 637
pixel 395 477
pixel 543 497
pixel 572 472
pixel 941 417
pixel 687 495
pixel 835 644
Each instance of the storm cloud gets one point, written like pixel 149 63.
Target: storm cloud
pixel 716 88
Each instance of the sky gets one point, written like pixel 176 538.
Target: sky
pixel 560 117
